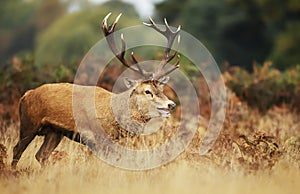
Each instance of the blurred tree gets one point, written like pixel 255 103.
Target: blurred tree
pixel 240 31
pixel 282 21
pixel 17 27
pixel 244 35
pixel 48 11
pixel 283 18
pixel 70 37
pixel 170 9
pixel 286 49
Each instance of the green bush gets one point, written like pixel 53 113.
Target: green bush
pixel 20 75
pixel 267 86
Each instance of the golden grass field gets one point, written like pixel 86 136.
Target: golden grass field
pixel 253 154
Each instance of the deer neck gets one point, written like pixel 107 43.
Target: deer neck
pixel 127 113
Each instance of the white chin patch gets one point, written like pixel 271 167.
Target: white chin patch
pixel 164 112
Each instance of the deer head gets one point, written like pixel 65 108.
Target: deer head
pixel 146 98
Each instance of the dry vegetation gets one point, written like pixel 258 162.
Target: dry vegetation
pixel 253 154
pixel 256 152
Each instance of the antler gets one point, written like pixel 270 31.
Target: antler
pixel 170 35
pixel 108 33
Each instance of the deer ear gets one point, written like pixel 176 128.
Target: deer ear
pixel 164 80
pixel 129 83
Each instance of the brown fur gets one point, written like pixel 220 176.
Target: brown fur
pixel 48 111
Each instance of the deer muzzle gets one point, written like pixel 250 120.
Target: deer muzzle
pixel 165 112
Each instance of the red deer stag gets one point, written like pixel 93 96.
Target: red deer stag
pixel 47 110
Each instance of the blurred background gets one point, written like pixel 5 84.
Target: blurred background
pixel 239 32
pixel 255 42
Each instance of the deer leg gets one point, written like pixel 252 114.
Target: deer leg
pixel 88 138
pixel 85 137
pixel 24 141
pixel 51 141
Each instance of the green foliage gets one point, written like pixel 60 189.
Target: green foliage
pixel 15 13
pixel 62 74
pixel 240 31
pixel 69 39
pixel 21 21
pixel 17 28
pixel 286 49
pixel 170 9
pixel 20 75
pixel 47 12
pixel 267 86
pixel 281 19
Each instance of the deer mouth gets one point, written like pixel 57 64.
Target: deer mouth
pixel 164 112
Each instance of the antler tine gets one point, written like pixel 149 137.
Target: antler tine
pixel 112 27
pixel 172 68
pixel 170 58
pixel 159 73
pixel 104 24
pixel 108 30
pixel 122 54
pixel 144 73
pixel 170 35
pixel 154 26
pixel 165 32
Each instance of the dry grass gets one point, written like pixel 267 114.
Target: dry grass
pixel 254 154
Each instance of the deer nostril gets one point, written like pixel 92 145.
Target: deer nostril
pixel 171 106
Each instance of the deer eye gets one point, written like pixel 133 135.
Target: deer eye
pixel 148 92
